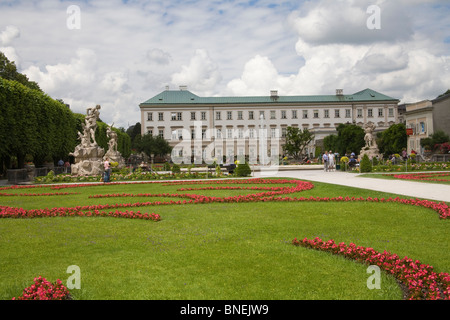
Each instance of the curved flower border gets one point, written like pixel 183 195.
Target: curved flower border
pixel 420 281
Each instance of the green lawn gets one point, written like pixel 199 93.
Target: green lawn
pixel 214 251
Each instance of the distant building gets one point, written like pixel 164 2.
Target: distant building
pixel 230 125
pixel 425 118
pixel 418 118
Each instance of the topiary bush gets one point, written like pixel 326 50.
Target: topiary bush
pixel 243 170
pixel 365 165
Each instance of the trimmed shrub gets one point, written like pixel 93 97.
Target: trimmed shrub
pixel 243 170
pixel 365 165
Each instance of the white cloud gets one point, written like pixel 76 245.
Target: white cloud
pixel 201 75
pixel 8 35
pixel 128 51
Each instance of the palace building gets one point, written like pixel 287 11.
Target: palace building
pixel 235 126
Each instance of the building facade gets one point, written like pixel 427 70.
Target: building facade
pixel 202 128
pixel 424 118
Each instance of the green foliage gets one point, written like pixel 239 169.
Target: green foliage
pixel 152 145
pixel 393 140
pixel 297 140
pixel 350 139
pixel 8 71
pixel 365 165
pixel 176 168
pixel 166 166
pixel 243 170
pixel 434 140
pixel 33 125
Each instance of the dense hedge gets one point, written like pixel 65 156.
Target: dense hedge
pixel 33 124
pixel 37 128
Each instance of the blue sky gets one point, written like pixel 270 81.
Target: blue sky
pixel 120 53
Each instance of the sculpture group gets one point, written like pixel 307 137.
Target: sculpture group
pixel 89 156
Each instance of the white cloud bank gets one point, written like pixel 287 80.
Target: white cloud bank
pixel 125 53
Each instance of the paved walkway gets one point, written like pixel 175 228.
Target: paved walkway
pixel 413 189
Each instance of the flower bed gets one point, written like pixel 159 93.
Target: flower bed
pixel 270 194
pixel 42 289
pixel 421 282
pixel 423 176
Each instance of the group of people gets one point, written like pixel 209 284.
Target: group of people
pixel 328 161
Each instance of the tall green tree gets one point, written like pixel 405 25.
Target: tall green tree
pixel 297 141
pixel 152 145
pixel 350 139
pixel 8 71
pixel 33 124
pixel 392 140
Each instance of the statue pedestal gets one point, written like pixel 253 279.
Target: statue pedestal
pixel 115 156
pixel 88 161
pixel 371 152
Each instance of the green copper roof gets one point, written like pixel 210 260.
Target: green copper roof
pixel 186 97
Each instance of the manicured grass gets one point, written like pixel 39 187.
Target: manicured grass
pixel 216 250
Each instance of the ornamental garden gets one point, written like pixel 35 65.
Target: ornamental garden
pixel 231 239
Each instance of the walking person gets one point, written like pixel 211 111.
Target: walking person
pixel 325 161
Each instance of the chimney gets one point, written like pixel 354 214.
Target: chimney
pixel 183 88
pixel 274 95
pixel 339 92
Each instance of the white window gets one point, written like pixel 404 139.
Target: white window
pixel 272 114
pixel 217 115
pixel 294 114
pixel 150 116
pixel 251 133
pixel 229 115
pixel 161 116
pixel 250 115
pixel 273 132
pixel 380 112
pixel 192 115
pixel 203 115
pixel 305 114
pixel 326 113
pixel 337 113
pixel 347 113
pixel 316 114
pixel 240 115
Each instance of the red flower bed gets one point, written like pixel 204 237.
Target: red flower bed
pixel 421 281
pixel 422 176
pixel 45 290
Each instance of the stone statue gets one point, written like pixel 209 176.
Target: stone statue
pixel 92 115
pixel 371 148
pixel 112 135
pixel 88 155
pixel 112 154
pixel 368 138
